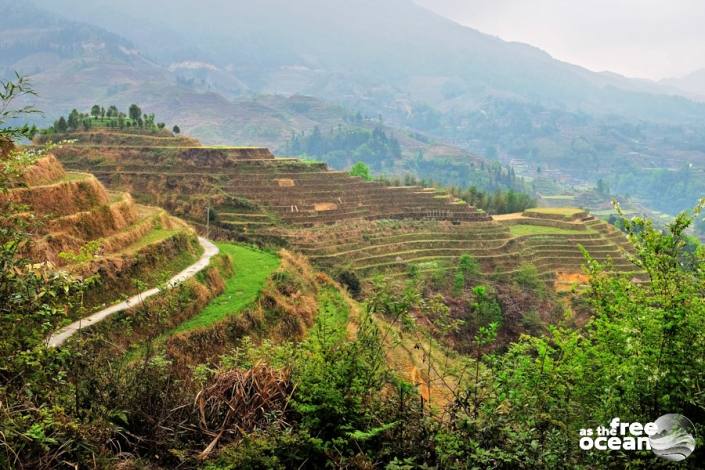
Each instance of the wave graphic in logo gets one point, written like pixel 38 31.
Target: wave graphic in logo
pixel 675 438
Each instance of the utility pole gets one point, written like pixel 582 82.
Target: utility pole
pixel 208 219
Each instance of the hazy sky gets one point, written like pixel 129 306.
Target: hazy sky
pixel 638 38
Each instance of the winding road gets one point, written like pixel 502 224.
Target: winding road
pixel 60 336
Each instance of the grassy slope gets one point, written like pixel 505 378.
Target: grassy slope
pixel 252 268
pixel 154 236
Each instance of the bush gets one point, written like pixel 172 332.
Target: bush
pixel 361 170
pixel 468 265
pixel 349 279
pixel 528 277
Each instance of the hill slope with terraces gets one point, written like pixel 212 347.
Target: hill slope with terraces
pixel 80 227
pixel 500 246
pixel 341 222
pixel 249 188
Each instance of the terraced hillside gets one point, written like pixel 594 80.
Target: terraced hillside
pixel 550 241
pixel 249 189
pixel 85 229
pixel 342 222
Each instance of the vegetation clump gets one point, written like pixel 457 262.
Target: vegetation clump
pixel 341 147
pixel 111 118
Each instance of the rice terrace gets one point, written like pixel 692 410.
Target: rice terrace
pixel 348 234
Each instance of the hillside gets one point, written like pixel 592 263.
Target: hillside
pixel 340 222
pixel 244 185
pixel 501 246
pixel 92 232
pixel 357 289
pixel 341 313
pixel 261 235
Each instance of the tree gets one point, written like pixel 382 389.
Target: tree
pixel 135 113
pixel 361 170
pixel 176 130
pixel 9 91
pixel 113 111
pixel 95 111
pixel 61 125
pixel 149 120
pixel 74 120
pixel 161 125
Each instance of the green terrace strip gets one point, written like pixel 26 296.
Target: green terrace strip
pixel 566 211
pixel 251 269
pixel 154 236
pixel 520 230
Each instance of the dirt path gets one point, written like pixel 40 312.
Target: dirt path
pixel 60 336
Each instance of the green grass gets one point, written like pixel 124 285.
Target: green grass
pixel 555 210
pixel 523 229
pixel 74 176
pixel 251 269
pixel 154 236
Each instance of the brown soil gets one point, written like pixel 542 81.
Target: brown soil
pixel 513 216
pixel 285 182
pixel 565 282
pixel 325 206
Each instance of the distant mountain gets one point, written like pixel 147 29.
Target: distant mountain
pixel 71 64
pixel 692 84
pixel 383 55
pixel 75 65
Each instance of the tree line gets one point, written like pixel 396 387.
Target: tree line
pixel 341 145
pixel 112 117
pixel 499 201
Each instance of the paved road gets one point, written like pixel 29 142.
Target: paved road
pixel 60 336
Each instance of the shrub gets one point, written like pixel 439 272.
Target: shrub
pixel 528 277
pixel 485 307
pixel 458 282
pixel 349 279
pixel 468 265
pixel 361 170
